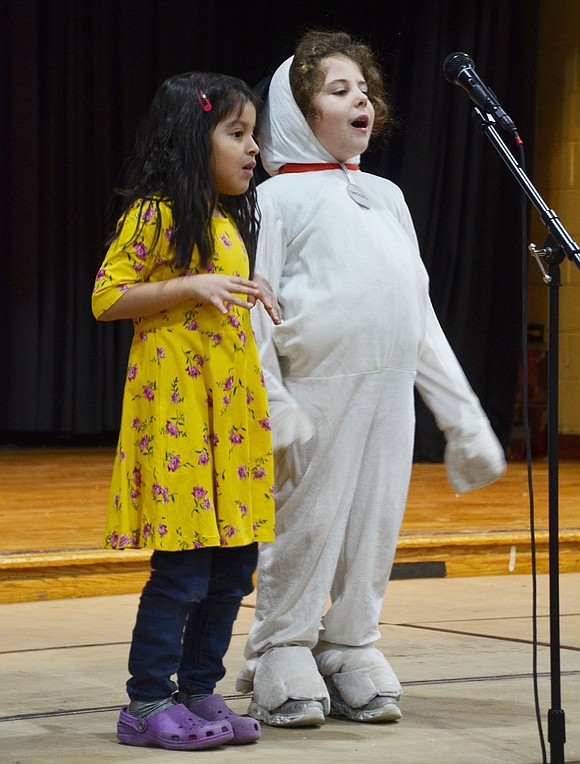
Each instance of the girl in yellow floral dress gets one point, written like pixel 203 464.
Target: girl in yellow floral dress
pixel 193 473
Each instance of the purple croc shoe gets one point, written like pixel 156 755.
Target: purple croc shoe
pixel 176 729
pixel 214 709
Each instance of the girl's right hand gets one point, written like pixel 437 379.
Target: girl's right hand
pixel 222 291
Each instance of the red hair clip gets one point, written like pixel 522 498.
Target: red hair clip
pixel 204 101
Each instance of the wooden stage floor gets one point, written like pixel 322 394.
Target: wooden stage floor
pixel 53 504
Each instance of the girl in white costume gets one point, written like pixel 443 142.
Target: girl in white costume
pixel 359 333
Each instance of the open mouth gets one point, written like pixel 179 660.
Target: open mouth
pixel 361 122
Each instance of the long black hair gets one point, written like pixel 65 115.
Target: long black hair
pixel 171 161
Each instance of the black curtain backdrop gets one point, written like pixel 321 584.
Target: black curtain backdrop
pixel 76 78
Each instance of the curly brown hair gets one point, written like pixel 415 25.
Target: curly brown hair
pixel 307 73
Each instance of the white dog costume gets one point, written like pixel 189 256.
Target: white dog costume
pixel 359 333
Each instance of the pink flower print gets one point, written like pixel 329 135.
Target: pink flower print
pixel 161 352
pixel 230 530
pixel 144 443
pixel 174 463
pixel 169 233
pixel 235 438
pixel 147 528
pixel 137 477
pixel 209 402
pixel 124 288
pixel 172 430
pixel 262 379
pixel 101 273
pixel 228 384
pixel 123 541
pixel 140 250
pixel 206 504
pixel 242 472
pixel 226 400
pixel 159 490
pixel 149 213
pixel 234 321
pixel 116 501
pixel 132 372
pixel 198 492
pixel 148 392
pixel 249 397
pixel 215 439
pixel 197 545
pixel 174 397
pixel 134 494
pixel 203 458
pixel 193 326
pixel 226 242
pixel 193 371
pixel 138 267
pixel 162 530
pixel 114 539
pixel 243 510
pixel 143 336
pixel 216 338
pixel 242 336
pixel 265 423
pixel 135 423
pixel 122 455
pixel 259 473
pixel 210 268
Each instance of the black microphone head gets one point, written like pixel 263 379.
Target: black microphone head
pixel 455 63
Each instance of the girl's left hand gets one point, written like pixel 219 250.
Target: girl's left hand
pixel 267 297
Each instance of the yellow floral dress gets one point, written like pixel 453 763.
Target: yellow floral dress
pixel 194 465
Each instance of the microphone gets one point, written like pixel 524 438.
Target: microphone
pixel 459 69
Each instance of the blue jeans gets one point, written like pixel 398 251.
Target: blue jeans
pixel 185 620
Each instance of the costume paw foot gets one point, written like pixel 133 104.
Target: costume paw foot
pixel 381 708
pixel 292 713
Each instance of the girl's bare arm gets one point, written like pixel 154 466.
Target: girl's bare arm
pixel 146 298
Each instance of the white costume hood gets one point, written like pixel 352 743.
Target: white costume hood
pixel 284 135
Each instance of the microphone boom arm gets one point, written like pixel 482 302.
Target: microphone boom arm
pixel 548 216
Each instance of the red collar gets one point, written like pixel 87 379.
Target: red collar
pixel 315 167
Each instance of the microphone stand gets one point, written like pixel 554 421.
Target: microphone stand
pixel 558 245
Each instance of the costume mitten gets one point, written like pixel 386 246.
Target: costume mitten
pixel 289 425
pixel 473 455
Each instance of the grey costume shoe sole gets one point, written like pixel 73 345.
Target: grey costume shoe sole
pixel 382 708
pixel 292 713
